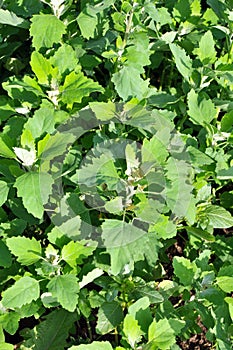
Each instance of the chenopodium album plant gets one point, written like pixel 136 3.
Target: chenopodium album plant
pixel 115 174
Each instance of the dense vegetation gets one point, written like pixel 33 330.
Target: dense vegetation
pixel 116 167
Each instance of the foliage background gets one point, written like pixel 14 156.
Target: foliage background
pixel 116 174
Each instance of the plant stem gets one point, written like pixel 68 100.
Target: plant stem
pixel 89 330
pixel 116 336
pixel 129 22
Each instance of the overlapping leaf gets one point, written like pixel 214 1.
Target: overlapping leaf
pixel 34 188
pixel 23 291
pixel 65 288
pixel 46 30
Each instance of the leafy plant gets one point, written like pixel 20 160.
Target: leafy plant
pixel 116 174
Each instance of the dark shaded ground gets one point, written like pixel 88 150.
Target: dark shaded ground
pixel 197 341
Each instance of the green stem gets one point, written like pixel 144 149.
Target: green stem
pixel 116 336
pixel 128 27
pixel 89 331
pixel 181 122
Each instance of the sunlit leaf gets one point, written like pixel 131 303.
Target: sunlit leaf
pixel 22 292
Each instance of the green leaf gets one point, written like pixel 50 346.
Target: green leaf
pixel 6 346
pixel 132 330
pixel 2 336
pixel 14 227
pixel 25 8
pixel 196 8
pixel 16 206
pixel 148 210
pixel 42 121
pixel 132 160
pixel 179 186
pixel 225 174
pixel 110 315
pixel 225 283
pixel 182 10
pixel 218 216
pixel 27 141
pixel 52 332
pixel 154 150
pixel 127 244
pixel 4 190
pixel 199 158
pixel 77 86
pixel 65 59
pixel 201 111
pixel 115 206
pixel 168 286
pixel 74 253
pixel 185 270
pixel 56 145
pixel 108 173
pixel 160 15
pixel 227 121
pixel 225 278
pixel 71 229
pixel 48 300
pixel 28 251
pixel 182 61
pixel 103 345
pixel 46 30
pixel 34 188
pixel 22 292
pixel 137 54
pixel 128 83
pixel 27 158
pixel 41 67
pixel 31 84
pixel 161 334
pixel 229 301
pixel 164 228
pixel 149 292
pixel 10 18
pixel 101 170
pixel 65 288
pixel 90 277
pixel 29 310
pixel 103 110
pixel 5 255
pixel 87 22
pixel 26 90
pixel 6 108
pixel 140 310
pixel 5 150
pixel 206 50
pixel 199 233
pixel 10 322
pixel 162 99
